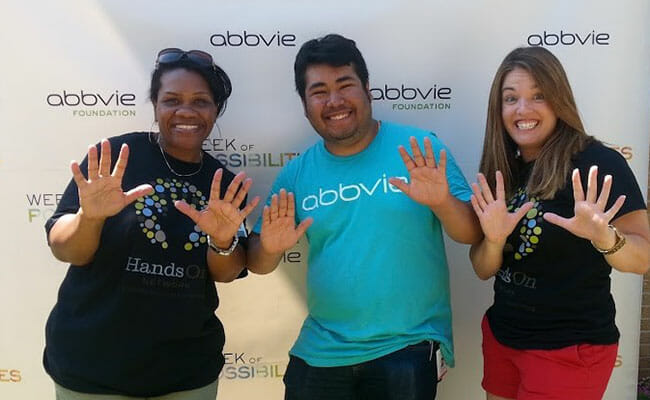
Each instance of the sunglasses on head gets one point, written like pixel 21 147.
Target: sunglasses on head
pixel 172 55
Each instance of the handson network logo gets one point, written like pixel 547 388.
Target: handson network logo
pixel 569 38
pixel 253 39
pixel 92 103
pixel 405 97
pixel 233 153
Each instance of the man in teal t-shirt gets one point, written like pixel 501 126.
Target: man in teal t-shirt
pixel 377 280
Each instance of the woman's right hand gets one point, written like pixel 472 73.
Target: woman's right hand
pixel 279 231
pixel 496 222
pixel 101 195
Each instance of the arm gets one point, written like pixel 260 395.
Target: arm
pixel 74 238
pixel 260 261
pixel 496 223
pixel 486 258
pixel 591 221
pixel 226 268
pixel 459 220
pixel 278 234
pixel 634 256
pixel 220 220
pixel 428 186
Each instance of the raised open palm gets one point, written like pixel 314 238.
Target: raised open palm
pixel 496 221
pixel 222 217
pixel 101 195
pixel 591 219
pixel 279 231
pixel 428 180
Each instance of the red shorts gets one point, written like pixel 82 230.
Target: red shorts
pixel 575 372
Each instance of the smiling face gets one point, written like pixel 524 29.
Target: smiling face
pixel 337 105
pixel 185 112
pixel 527 116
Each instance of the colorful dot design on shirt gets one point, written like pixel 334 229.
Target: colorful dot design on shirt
pixel 530 228
pixel 151 207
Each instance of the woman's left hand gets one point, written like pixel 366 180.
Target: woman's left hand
pixel 591 220
pixel 222 217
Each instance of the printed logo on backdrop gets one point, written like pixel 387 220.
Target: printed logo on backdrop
pixel 86 103
pixel 569 38
pixel 10 376
pixel 625 151
pixel 259 39
pixel 41 206
pixel 235 153
pixel 251 366
pixel 406 97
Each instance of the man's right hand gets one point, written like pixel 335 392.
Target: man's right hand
pixel 279 231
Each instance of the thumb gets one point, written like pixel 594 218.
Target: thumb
pixel 400 184
pixel 556 220
pixel 185 208
pixel 302 228
pixel 139 191
pixel 521 212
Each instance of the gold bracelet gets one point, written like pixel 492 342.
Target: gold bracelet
pixel 620 241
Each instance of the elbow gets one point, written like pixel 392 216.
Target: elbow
pixel 645 265
pixel 226 277
pixel 259 271
pixel 483 275
pixel 642 266
pixel 69 258
pixel 471 237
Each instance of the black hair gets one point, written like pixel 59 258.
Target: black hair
pixel 334 50
pixel 216 78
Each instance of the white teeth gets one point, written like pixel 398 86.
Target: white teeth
pixel 186 126
pixel 339 116
pixel 526 125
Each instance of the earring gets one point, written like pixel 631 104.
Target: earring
pixel 218 129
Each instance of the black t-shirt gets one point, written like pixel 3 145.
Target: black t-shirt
pixel 553 289
pixel 140 319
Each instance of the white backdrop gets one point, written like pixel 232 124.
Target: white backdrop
pixel 54 51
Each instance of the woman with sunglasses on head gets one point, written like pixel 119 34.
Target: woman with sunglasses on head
pixel 145 242
pixel 558 210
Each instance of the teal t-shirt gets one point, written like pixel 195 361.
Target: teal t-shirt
pixel 377 278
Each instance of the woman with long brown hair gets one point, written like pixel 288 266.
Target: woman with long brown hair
pixel 558 210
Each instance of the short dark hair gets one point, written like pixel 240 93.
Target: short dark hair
pixel 215 77
pixel 334 50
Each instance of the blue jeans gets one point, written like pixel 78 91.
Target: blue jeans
pixel 407 374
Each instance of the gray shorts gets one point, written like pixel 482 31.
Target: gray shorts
pixel 208 392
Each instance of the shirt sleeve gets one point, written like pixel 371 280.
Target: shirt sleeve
pixel 69 203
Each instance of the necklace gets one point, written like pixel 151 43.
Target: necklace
pixel 162 152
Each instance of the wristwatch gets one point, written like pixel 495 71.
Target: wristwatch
pixel 620 241
pixel 224 252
